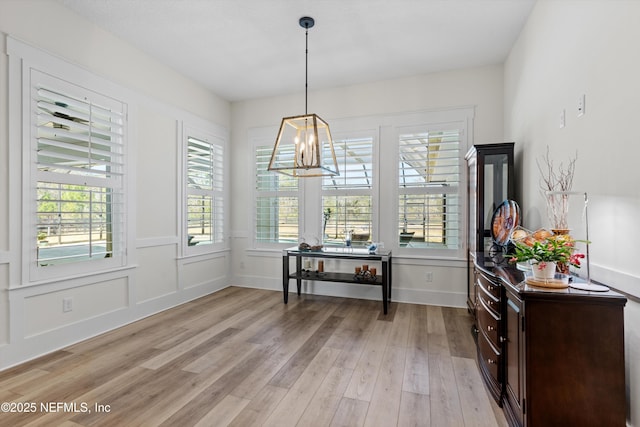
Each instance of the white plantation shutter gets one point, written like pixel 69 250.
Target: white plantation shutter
pixel 430 185
pixel 205 197
pixel 355 160
pixel 276 202
pixel 77 136
pixel 78 141
pixel 347 199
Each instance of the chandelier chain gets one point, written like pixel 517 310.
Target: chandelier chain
pixel 306 67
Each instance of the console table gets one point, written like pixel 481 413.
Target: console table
pixel 383 280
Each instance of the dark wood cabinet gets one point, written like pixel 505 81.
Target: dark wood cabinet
pixel 514 391
pixel 548 357
pixel 490 182
pixel 557 357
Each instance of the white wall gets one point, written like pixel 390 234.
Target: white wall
pixel 567 49
pixel 481 88
pixel 31 317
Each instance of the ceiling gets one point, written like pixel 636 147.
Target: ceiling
pixel 244 49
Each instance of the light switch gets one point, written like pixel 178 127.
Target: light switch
pixel 581 105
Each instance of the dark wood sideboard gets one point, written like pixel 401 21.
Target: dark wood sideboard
pixel 549 357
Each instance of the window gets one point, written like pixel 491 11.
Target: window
pixel 73 223
pixel 429 178
pixel 412 162
pixel 276 202
pixel 347 198
pixel 205 190
pixel 77 173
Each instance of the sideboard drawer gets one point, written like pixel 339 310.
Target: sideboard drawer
pixel 489 356
pixel 489 323
pixel 488 285
pixel 490 302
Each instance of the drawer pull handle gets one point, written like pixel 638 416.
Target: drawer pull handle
pixel 490 288
pixel 503 339
pixel 490 302
pixel 491 361
pixel 490 328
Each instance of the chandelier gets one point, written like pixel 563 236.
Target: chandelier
pixel 304 147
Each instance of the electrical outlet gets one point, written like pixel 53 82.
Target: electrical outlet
pixel 67 305
pixel 429 276
pixel 581 105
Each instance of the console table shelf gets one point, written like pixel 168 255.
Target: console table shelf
pixel 383 279
pixel 335 277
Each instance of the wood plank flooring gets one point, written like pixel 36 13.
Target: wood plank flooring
pixel 240 357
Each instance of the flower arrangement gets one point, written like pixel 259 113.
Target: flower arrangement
pixel 543 247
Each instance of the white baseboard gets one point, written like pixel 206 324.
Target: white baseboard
pixel 164 302
pixel 50 341
pixel 26 349
pixel 355 290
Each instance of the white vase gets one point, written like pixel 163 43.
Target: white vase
pixel 558 209
pixel 544 270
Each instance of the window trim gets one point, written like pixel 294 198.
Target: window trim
pixel 22 59
pixel 459 118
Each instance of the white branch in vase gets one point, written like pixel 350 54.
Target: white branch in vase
pixel 556 184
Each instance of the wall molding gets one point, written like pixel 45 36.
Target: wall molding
pixel 430 262
pixel 192 259
pixel 355 290
pixel 156 241
pixel 23 349
pixel 397 259
pixel 63 283
pixel 618 280
pixel 156 305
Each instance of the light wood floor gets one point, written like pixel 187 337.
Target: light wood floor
pixel 241 357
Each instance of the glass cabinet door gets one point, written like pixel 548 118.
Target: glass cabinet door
pixel 496 180
pixel 472 165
